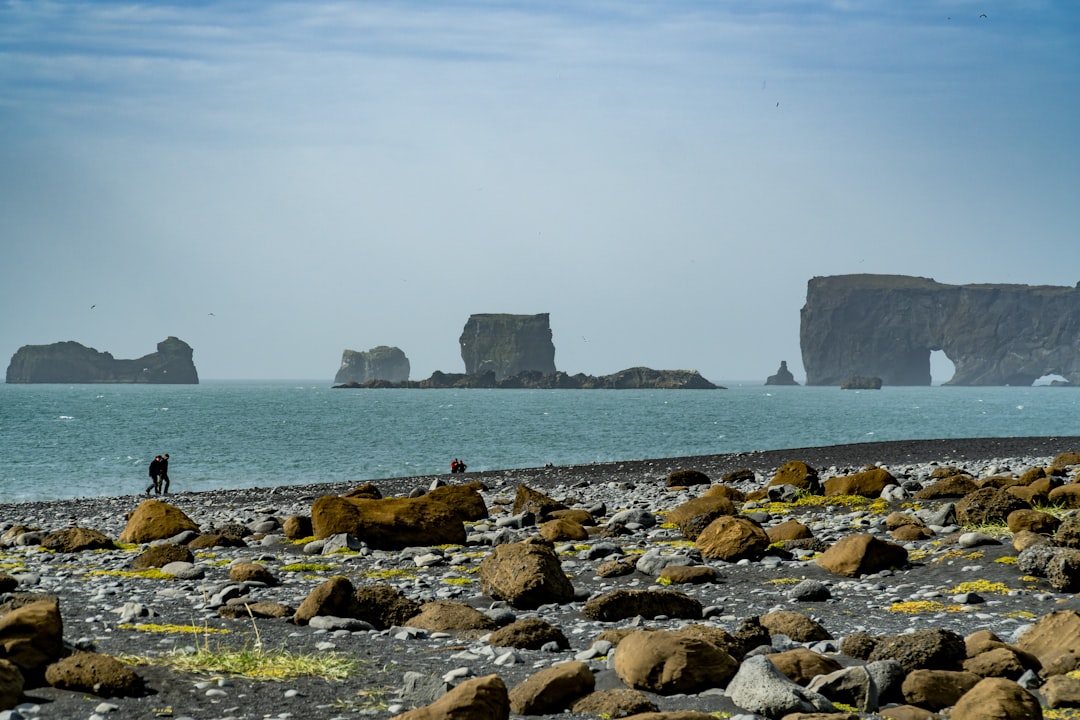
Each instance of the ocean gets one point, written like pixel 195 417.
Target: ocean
pixel 66 441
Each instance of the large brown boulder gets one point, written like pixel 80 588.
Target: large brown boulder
pixel 465 500
pixel 388 524
pixel 957 486
pixel 795 625
pixel 157 556
pixel 788 530
pixel 1055 640
pixel 686 478
pixel 1065 495
pixel 616 703
pixel 930 649
pixel 11 684
pixel 862 554
pixel 533 501
pixel 987 506
pixel 88 672
pixel 77 539
pixel 251 572
pixel 732 538
pixel 482 698
pixel 156 520
pixel 798 474
pixel 1033 520
pixel 937 689
pixel 803 665
pixel 561 529
pixel 449 616
pixel 526 574
pixel 868 483
pixel 693 516
pixel 529 634
pixel 667 663
pixel 384 606
pixel 32 636
pixel 997 699
pixel 621 604
pixel 332 598
pixel 553 689
pixel 297 527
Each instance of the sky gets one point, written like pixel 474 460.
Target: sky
pixel 276 182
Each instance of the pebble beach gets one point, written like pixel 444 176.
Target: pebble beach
pixel 956 578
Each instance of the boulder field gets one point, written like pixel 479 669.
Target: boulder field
pixel 658 589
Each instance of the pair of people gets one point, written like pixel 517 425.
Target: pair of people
pixel 457 466
pixel 159 474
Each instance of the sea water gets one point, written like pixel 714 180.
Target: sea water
pixel 61 441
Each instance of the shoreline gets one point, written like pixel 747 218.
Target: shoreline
pixel 844 457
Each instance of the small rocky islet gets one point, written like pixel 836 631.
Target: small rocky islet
pixel 899 580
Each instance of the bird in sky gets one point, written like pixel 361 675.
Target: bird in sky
pixel 211 314
pixel 983 15
pixel 93 306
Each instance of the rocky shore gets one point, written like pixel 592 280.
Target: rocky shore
pixel 896 579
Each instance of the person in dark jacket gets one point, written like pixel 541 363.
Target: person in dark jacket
pixel 163 474
pixel 155 475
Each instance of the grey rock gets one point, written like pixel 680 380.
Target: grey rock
pixel 760 688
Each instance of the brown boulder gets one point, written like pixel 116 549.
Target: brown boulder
pixel 799 474
pixel 465 500
pixel 693 516
pixel 868 483
pixel 987 506
pixel 686 478
pixel 1061 691
pixel 862 554
pixel 1055 640
pixel 616 703
pixel 384 606
pixel 581 517
pixel 950 487
pixel 1065 460
pixel 529 634
pixel 251 572
pixel 1033 520
pixel 553 689
pixel 1066 495
pixel 332 598
pixel 910 533
pixel 687 574
pixel 449 616
pixel 388 524
pixel 802 665
pixel 297 527
pixel 621 604
pixel 88 672
pixel 788 530
pixel 667 663
pixel 263 609
pixel 930 649
pixel 213 540
pixel 11 684
pixel 367 490
pixel 997 699
pixel 562 529
pixel 482 698
pixel 76 539
pixel 32 636
pixel 997 662
pixel 527 574
pixel 156 520
pixel 937 689
pixel 731 539
pixel 535 502
pixel 795 625
pixel 157 556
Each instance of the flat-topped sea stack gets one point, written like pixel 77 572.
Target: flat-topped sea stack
pixel 70 362
pixel 378 363
pixel 507 344
pixel 886 326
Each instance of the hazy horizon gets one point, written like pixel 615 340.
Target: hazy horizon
pixel 277 182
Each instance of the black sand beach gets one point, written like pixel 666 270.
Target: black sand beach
pixel 92 594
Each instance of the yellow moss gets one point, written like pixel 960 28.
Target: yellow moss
pixel 307 567
pixel 303 540
pixel 663 581
pixel 151 573
pixel 127 547
pixel 976 586
pixel 917 555
pixel 782 581
pixel 917 606
pixel 447 546
pixel 176 629
pixel 676 543
pixel 669 526
pixel 1029 579
pixel 458 581
pixel 1060 713
pixel 1006 560
pixel 1021 615
pixel 204 555
pixel 390 573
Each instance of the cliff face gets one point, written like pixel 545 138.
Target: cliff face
pixel 70 362
pixel 887 325
pixel 507 344
pixel 378 363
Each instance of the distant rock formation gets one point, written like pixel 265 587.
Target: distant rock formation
pixel 630 379
pixel 507 344
pixel 887 326
pixel 783 376
pixel 861 382
pixel 70 362
pixel 379 363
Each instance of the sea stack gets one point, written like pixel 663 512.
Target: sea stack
pixel 783 376
pixel 70 362
pixel 507 344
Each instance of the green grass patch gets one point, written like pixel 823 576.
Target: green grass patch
pixel 308 567
pixel 149 573
pixel 255 663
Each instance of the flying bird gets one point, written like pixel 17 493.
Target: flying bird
pixel 983 15
pixel 211 314
pixel 93 306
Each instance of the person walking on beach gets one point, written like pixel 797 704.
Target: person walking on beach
pixel 163 474
pixel 155 475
